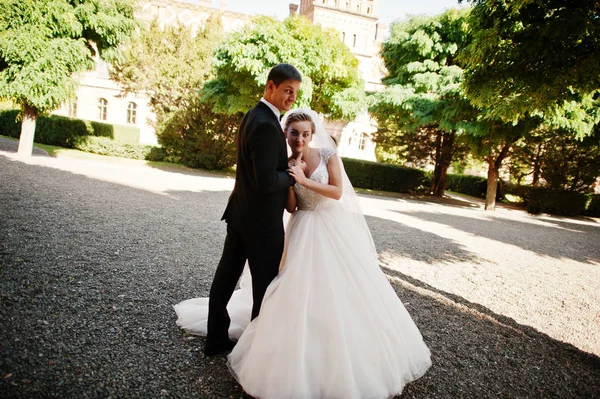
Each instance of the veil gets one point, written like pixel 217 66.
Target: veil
pixel 349 199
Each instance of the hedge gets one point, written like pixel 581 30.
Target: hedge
pixel 555 202
pixel 66 132
pixel 593 206
pixel 385 177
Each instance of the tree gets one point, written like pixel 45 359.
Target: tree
pixel 531 56
pixel 331 80
pixel 423 109
pixel 44 42
pixel 559 161
pixel 492 142
pixel 197 137
pixel 169 65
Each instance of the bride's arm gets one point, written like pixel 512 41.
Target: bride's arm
pixel 331 190
pixel 291 202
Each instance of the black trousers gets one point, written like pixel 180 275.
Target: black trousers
pixel 263 255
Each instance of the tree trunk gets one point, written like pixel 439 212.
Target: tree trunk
pixel 492 187
pixel 537 166
pixel 27 131
pixel 492 180
pixel 444 152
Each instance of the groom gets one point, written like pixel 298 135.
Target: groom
pixel 255 209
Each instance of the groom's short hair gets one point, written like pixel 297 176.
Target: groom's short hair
pixel 282 72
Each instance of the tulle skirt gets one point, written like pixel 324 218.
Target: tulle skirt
pixel 330 325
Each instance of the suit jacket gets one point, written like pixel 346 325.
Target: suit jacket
pixel 258 199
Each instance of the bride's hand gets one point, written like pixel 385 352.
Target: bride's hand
pixel 298 174
pixel 297 161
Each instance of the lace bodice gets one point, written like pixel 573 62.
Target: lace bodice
pixel 308 199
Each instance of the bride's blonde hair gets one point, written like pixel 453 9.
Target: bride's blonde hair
pixel 299 117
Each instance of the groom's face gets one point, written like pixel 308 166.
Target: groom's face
pixel 284 95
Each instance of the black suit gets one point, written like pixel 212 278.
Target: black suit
pixel 254 216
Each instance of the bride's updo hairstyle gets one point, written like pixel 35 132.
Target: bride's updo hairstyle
pixel 299 116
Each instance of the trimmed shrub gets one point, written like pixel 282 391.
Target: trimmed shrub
pixel 67 132
pixel 555 202
pixel 121 133
pixel 199 138
pixel 475 186
pixel 60 130
pixel 593 206
pixel 9 126
pixel 108 146
pixel 385 177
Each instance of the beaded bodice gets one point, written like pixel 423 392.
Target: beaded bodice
pixel 308 199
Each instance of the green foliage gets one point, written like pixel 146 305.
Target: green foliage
pixel 377 176
pixel 199 138
pixel 68 132
pixel 593 206
pixel 108 146
pixel 43 42
pixel 530 56
pixel 475 186
pixel 423 110
pixel 9 123
pixel 558 159
pixel 331 80
pixel 555 202
pixel 120 133
pixel 168 64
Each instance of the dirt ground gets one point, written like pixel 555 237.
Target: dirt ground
pixel 94 252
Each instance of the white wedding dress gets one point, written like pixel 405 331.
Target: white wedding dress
pixel 330 325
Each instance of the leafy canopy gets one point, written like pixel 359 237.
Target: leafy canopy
pixel 423 96
pixel 531 56
pixel 168 64
pixel 44 42
pixel 331 80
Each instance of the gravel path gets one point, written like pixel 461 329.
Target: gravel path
pixel 93 254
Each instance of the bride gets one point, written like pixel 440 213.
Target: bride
pixel 330 325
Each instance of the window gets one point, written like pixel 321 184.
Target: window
pixel 363 142
pixel 358 8
pixel 102 109
pixel 131 113
pixel 347 4
pixel 72 108
pixel 368 10
pixel 344 37
pixel 354 41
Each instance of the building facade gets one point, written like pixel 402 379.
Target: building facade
pixel 100 99
pixel 359 28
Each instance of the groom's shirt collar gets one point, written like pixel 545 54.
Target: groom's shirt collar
pixel 273 108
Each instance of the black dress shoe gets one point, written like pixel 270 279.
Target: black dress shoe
pixel 215 348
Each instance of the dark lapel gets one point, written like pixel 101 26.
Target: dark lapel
pixel 265 108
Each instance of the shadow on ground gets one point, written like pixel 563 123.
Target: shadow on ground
pixel 90 269
pixel 579 242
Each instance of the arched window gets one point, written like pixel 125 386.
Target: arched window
pixel 358 8
pixel 131 112
pixel 368 10
pixel 363 142
pixel 347 4
pixel 72 108
pixel 102 109
pixel 353 40
pixel 343 37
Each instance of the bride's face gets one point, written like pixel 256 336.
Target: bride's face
pixel 299 134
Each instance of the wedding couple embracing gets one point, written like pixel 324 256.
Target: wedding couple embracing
pixel 315 317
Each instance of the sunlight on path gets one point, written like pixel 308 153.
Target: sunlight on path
pixel 540 284
pixel 134 174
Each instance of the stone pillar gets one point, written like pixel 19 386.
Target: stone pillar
pixel 293 9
